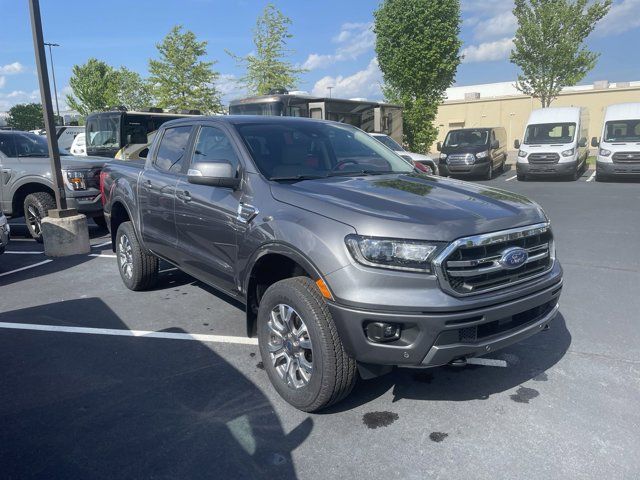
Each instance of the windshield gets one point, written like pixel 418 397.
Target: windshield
pixel 23 144
pixel 466 138
pixel 103 131
pixel 548 133
pixel 622 131
pixel 273 109
pixel 290 151
pixel 389 142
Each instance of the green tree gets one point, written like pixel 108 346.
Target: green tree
pixel 180 79
pixel 268 68
pixel 93 87
pixel 549 44
pixel 26 116
pixel 131 90
pixel 418 49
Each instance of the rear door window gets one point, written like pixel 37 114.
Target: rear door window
pixel 173 149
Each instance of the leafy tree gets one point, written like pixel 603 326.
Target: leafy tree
pixel 179 79
pixel 93 87
pixel 267 69
pixel 418 52
pixel 549 44
pixel 26 116
pixel 131 90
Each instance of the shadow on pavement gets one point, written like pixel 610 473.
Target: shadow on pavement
pixel 96 406
pixel 526 361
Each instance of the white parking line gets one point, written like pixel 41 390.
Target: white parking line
pixel 132 333
pixel 103 255
pixel 168 270
pixel 24 253
pixel 511 178
pixel 592 177
pixel 22 239
pixel 25 268
pixel 101 244
pixel 488 362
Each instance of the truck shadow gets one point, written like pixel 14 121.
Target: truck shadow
pixel 102 406
pixel 526 361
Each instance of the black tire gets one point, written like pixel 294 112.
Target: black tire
pixel 333 373
pixel 36 207
pixel 575 175
pixel 138 269
pixel 489 174
pixel 600 177
pixel 521 177
pixel 100 222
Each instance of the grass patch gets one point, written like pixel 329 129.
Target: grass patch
pixel 591 160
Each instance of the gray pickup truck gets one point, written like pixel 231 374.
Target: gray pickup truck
pixel 26 187
pixel 349 261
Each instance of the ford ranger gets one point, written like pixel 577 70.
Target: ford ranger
pixel 349 261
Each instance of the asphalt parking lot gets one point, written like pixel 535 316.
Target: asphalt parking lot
pixel 101 382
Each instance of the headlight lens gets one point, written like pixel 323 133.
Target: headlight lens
pixel 443 156
pixel 482 154
pixel 522 153
pixel 568 153
pixel 604 152
pixel 75 179
pixel 393 254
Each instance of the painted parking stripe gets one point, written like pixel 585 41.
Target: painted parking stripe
pixel 102 255
pixel 168 270
pixel 13 239
pixel 24 253
pixel 25 268
pixel 104 244
pixel 592 177
pixel 488 362
pixel 511 178
pixel 132 333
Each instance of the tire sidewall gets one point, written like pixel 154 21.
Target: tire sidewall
pixel 42 212
pixel 125 229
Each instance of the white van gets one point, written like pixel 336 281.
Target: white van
pixel 619 152
pixel 555 143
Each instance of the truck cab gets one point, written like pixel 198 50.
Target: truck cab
pixel 619 146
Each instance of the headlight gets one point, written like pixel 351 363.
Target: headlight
pixel 393 254
pixel 75 179
pixel 443 156
pixel 568 153
pixel 482 154
pixel 604 152
pixel 522 153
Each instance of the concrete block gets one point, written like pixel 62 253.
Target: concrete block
pixel 65 236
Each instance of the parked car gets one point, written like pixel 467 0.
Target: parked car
pixel 555 143
pixel 65 134
pixel 619 148
pixel 79 146
pixel 347 259
pixel 430 165
pixel 27 189
pixel 473 152
pixel 5 232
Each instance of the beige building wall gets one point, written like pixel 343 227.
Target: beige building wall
pixel 513 112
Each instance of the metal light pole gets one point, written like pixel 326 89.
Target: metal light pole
pixel 330 88
pixel 53 75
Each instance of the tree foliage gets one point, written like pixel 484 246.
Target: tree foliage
pixel 131 90
pixel 549 44
pixel 93 87
pixel 267 68
pixel 26 116
pixel 418 51
pixel 179 78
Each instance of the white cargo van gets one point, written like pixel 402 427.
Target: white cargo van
pixel 555 143
pixel 619 148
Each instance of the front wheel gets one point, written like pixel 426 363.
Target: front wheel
pixel 300 346
pixel 489 174
pixel 36 207
pixel 138 269
pixel 521 177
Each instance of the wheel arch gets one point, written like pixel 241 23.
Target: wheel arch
pixel 26 188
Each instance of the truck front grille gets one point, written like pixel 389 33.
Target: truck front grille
pixel 473 265
pixel 544 158
pixel 626 157
pixel 461 160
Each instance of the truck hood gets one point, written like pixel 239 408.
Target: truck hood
pixel 70 161
pixel 411 206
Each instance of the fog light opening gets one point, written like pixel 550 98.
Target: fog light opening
pixel 382 332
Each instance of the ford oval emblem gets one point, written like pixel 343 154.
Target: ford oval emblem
pixel 513 258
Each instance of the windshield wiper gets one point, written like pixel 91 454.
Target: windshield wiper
pixel 297 178
pixel 362 172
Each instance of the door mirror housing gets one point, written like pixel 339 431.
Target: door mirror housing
pixel 439 146
pixel 595 143
pixel 214 174
pixel 144 153
pixel 495 144
pixel 516 144
pixel 583 142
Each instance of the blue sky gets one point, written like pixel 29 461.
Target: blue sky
pixel 332 38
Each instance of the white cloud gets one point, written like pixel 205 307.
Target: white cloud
pixel 622 17
pixel 365 83
pixel 229 87
pixel 3 80
pixel 499 26
pixel 353 40
pixel 488 51
pixel 11 68
pixel 8 100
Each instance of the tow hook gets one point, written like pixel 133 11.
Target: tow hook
pixel 458 362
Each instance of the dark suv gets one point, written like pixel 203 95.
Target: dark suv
pixel 347 258
pixel 473 152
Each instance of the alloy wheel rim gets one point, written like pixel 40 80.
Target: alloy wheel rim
pixel 125 256
pixel 34 220
pixel 289 346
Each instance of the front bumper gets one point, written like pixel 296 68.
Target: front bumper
pixel 88 202
pixel 611 169
pixel 434 339
pixel 550 169
pixel 476 169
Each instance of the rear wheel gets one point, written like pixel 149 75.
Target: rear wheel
pixel 138 269
pixel 300 347
pixel 36 207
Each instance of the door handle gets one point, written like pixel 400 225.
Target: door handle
pixel 185 196
pixel 148 183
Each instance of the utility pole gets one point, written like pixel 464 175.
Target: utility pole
pixel 53 75
pixel 330 88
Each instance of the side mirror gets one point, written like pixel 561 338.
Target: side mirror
pixel 595 143
pixel 213 174
pixel 144 153
pixel 495 144
pixel 439 146
pixel 516 144
pixel 583 142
